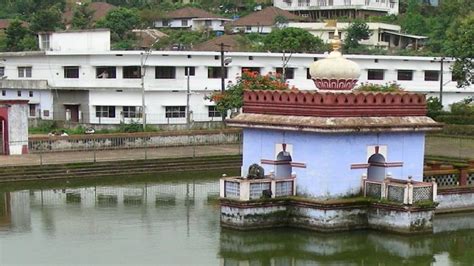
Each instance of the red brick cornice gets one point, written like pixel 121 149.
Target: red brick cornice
pixel 334 104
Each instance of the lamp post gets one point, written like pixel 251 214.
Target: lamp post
pixel 188 92
pixel 224 62
pixel 441 70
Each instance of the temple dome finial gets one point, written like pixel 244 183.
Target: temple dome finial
pixel 335 72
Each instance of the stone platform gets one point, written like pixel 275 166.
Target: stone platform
pixel 326 216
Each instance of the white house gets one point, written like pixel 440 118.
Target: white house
pixel 105 86
pixel 192 18
pixel 383 35
pixel 321 9
pixel 264 21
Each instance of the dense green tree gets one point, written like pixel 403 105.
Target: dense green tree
pixel 460 45
pixel 293 40
pixel 413 21
pixel 82 17
pixel 47 20
pixel 357 30
pixel 15 33
pixel 120 21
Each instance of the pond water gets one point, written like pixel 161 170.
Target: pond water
pixel 163 220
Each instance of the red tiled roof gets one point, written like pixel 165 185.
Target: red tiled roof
pixel 266 17
pixel 100 10
pixel 230 41
pixel 190 12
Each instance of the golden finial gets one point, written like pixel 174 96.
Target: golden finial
pixel 336 42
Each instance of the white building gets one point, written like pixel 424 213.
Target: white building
pixel 192 18
pixel 105 86
pixel 320 9
pixel 383 35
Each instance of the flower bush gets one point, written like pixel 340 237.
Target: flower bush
pixel 232 98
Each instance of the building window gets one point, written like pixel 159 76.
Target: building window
pixel 18 93
pixel 165 72
pixel 215 72
pixel 24 72
pixel 208 23
pixel 175 111
pixel 45 41
pixel 405 75
pixel 248 28
pixel 375 74
pixel 131 72
pixel 71 72
pixel 165 23
pixel 130 112
pixel 32 110
pixel 184 22
pixel 106 72
pixel 251 69
pixel 4 93
pixel 212 112
pixel 30 93
pixel 192 71
pixel 289 72
pixel 105 111
pixel 2 71
pixel 431 75
pixel 46 113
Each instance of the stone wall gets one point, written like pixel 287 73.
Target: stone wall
pixel 454 199
pixel 127 141
pixel 325 217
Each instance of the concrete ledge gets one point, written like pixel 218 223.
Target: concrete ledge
pixel 326 216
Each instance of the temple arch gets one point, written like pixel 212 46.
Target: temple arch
pixel 376 169
pixel 283 167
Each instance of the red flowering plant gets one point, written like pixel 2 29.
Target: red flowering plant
pixel 232 98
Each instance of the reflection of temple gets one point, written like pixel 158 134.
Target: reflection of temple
pixel 5 211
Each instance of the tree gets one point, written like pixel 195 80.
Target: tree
pixel 82 17
pixel 459 44
pixel 293 40
pixel 120 21
pixel 15 33
pixel 46 20
pixel 413 21
pixel 357 30
pixel 232 98
pixel 183 38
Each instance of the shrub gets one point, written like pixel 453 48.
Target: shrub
pixel 387 87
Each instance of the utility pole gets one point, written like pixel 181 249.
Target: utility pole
pixel 441 81
pixel 142 75
pixel 188 94
pixel 222 69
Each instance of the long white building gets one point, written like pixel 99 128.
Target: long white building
pixel 103 86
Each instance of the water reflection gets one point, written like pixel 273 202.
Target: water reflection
pixel 178 223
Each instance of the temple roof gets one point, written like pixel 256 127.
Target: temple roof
pixel 334 124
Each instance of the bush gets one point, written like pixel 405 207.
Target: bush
pixel 466 130
pixel 44 127
pixel 387 87
pixel 456 119
pixel 133 126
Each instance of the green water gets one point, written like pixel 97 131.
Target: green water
pixel 170 220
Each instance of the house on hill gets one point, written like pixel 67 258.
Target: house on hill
pixel 263 21
pixel 99 9
pixel 192 18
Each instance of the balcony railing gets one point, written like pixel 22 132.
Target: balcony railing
pixel 248 189
pixel 402 191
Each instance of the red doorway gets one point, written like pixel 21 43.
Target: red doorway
pixel 74 112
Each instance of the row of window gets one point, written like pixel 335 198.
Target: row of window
pixel 135 112
pixel 18 93
pixel 169 72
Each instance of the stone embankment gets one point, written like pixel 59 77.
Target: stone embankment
pixel 118 168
